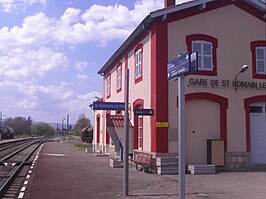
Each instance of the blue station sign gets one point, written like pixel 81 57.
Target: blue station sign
pixel 108 106
pixel 184 64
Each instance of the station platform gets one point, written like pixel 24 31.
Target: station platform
pixel 64 172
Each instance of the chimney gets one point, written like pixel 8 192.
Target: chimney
pixel 169 3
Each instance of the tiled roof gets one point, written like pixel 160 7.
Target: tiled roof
pixel 117 121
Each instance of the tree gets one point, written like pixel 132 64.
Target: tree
pixel 19 124
pixel 81 123
pixel 42 129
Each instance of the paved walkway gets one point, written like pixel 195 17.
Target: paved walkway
pixel 63 172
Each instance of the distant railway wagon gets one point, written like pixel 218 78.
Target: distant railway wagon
pixel 6 132
pixel 87 134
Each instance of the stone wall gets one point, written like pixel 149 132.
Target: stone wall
pixel 237 160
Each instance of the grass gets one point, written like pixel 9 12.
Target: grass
pixel 83 146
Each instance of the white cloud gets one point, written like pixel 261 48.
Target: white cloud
pixel 27 51
pixel 143 8
pixel 26 104
pixel 44 101
pixel 35 49
pixel 81 65
pixel 101 24
pixel 16 5
pixel 70 16
pixel 82 76
pixel 29 35
pixel 32 63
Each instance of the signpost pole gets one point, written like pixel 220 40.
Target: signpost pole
pixel 181 136
pixel 126 132
pixel 183 65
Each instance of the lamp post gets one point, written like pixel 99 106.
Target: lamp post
pixel 243 69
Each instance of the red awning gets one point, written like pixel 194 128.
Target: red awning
pixel 117 121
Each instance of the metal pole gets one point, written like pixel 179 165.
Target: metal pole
pixel 125 180
pixel 67 124
pixel 63 125
pixel 1 114
pixel 181 136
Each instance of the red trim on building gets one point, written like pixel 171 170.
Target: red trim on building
pixel 253 46
pixel 223 108
pixel 159 86
pixel 214 42
pixel 138 79
pixel 107 136
pixel 247 102
pixel 138 103
pixel 250 9
pixel 98 120
pixel 196 10
pixel 215 5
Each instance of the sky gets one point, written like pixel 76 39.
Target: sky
pixel 51 51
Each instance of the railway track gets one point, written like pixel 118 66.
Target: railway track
pixel 14 169
pixel 9 147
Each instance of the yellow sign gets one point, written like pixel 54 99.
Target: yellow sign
pixel 162 124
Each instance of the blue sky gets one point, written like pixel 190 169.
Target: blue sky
pixel 51 50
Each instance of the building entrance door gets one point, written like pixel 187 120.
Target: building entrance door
pixel 258 133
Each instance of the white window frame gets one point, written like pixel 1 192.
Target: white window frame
pixel 263 60
pixel 202 55
pixel 108 86
pixel 140 135
pixel 138 64
pixel 119 78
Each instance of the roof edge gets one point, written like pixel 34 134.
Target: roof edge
pixel 141 28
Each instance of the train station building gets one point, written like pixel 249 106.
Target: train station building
pixel 225 103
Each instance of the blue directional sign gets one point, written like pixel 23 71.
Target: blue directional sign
pixel 182 65
pixel 178 66
pixel 108 106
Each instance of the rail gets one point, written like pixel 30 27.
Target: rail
pixel 10 176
